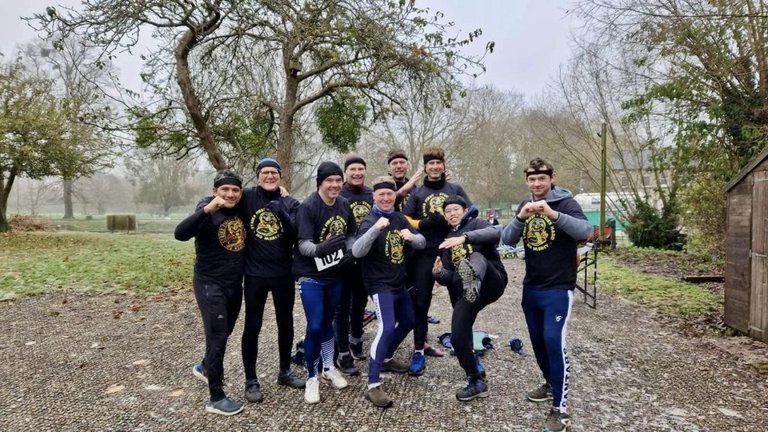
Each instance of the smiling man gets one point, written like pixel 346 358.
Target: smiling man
pixel 326 231
pixel 424 210
pixel 551 223
pixel 382 247
pixel 348 320
pixel 271 234
pixel 219 235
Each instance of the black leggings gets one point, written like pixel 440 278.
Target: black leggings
pixel 423 283
pixel 348 319
pixel 283 297
pixel 219 307
pixel 465 314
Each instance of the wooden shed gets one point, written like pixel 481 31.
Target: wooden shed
pixel 746 271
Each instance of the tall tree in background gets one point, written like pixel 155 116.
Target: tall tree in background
pixel 32 132
pixel 77 74
pixel 161 181
pixel 706 71
pixel 301 52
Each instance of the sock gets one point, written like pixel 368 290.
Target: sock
pixel 373 385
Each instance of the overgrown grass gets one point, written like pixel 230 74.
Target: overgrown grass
pixel 666 295
pixel 39 262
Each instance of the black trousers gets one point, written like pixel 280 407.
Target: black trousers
pixel 421 294
pixel 283 297
pixel 219 307
pixel 348 318
pixel 465 314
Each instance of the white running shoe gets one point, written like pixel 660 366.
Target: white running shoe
pixel 312 391
pixel 334 376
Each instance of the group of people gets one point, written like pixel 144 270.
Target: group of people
pixel 388 242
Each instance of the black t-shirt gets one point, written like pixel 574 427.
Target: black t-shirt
pixel 219 243
pixel 316 221
pixel 383 266
pixel 428 199
pixel 550 253
pixel 360 201
pixel 269 250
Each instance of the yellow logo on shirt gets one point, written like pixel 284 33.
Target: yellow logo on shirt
pixel 333 225
pixel 265 225
pixel 232 234
pixel 394 247
pixel 538 233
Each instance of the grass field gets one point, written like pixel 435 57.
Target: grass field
pixel 39 262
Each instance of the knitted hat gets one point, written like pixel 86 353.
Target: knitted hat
pixel 354 159
pixel 268 162
pixel 396 154
pixel 327 169
pixel 454 199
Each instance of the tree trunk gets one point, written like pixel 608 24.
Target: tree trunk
pixel 285 132
pixel 68 212
pixel 191 101
pixel 5 192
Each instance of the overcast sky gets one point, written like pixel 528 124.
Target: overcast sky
pixel 532 36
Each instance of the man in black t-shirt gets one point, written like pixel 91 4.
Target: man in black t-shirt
pixel 268 257
pixel 326 231
pixel 219 235
pixel 551 224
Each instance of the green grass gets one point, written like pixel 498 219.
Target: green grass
pixel 666 295
pixel 38 262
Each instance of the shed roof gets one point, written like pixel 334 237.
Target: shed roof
pixel 747 169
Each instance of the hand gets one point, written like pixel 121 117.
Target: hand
pixel 381 223
pixel 406 234
pixel 451 242
pixel 346 260
pixel 432 222
pixel 283 192
pixel 217 203
pixel 276 207
pixel 330 244
pixel 528 210
pixel 541 207
pixel 437 267
pixel 408 186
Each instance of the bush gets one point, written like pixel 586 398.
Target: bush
pixel 28 223
pixel 648 228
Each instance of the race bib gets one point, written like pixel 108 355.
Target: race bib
pixel 328 261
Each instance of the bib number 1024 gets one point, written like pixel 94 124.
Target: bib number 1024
pixel 329 260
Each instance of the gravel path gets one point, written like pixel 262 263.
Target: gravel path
pixel 81 362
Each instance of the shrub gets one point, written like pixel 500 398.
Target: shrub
pixel 28 223
pixel 647 227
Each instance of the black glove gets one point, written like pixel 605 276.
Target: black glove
pixel 277 209
pixel 432 222
pixel 347 259
pixel 330 244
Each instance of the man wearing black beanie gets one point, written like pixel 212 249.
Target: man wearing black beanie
pixel 269 251
pixel 326 230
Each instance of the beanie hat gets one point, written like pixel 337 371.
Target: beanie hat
pixel 269 162
pixel 327 169
pixel 396 154
pixel 454 199
pixel 354 159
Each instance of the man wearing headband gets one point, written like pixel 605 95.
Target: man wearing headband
pixel 469 266
pixel 382 244
pixel 219 235
pixel 348 320
pixel 326 230
pixel 424 210
pixel 269 223
pixel 551 224
pixel 397 166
